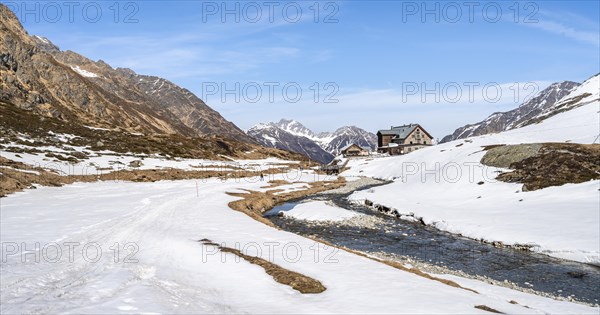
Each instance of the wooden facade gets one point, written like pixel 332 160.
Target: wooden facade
pixel 354 150
pixel 403 139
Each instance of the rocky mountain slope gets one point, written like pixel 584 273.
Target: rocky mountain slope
pixel 272 136
pixel 543 103
pixel 37 76
pixel 322 147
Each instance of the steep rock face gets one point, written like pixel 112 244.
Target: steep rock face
pixel 292 135
pixel 531 110
pixel 37 76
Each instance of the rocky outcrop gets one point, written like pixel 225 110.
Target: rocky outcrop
pixel 505 155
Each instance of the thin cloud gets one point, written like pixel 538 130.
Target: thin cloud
pixel 569 32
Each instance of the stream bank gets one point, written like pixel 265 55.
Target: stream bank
pixel 439 252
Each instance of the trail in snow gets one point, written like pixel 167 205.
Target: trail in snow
pixel 175 274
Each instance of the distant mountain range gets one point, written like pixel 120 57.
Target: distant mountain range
pixel 321 147
pixel 541 105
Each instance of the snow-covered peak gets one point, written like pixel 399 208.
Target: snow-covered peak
pixel 289 133
pixel 262 126
pixel 348 130
pixel 295 128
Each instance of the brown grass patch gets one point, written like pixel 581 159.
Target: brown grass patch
pixel 556 164
pixel 297 281
pixel 256 203
pixel 13 180
pixel 487 309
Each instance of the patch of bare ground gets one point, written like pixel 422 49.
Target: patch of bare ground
pixel 487 309
pixel 17 176
pixel 297 281
pixel 552 164
pixel 255 203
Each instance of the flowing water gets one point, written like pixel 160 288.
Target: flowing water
pixel 393 237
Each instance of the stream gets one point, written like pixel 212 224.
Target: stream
pixel 404 241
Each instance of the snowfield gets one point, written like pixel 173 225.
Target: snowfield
pixel 447 187
pixel 151 260
pixel 104 162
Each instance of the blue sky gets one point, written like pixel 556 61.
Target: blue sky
pixel 371 55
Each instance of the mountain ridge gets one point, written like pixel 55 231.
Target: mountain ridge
pixel 518 117
pixel 292 135
pixel 38 76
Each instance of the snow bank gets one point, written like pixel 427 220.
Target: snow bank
pixel 318 211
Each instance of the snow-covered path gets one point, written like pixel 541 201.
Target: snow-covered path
pixel 172 273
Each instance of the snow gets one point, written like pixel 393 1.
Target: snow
pixel 171 272
pixel 101 162
pixel 84 73
pixel 440 185
pixel 97 128
pixel 270 139
pixel 291 187
pixel 324 139
pixel 591 86
pixel 317 211
pixel 43 39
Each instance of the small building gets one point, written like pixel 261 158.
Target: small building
pixel 354 150
pixel 331 169
pixel 403 139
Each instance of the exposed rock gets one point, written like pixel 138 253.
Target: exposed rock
pixel 136 163
pixel 505 155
